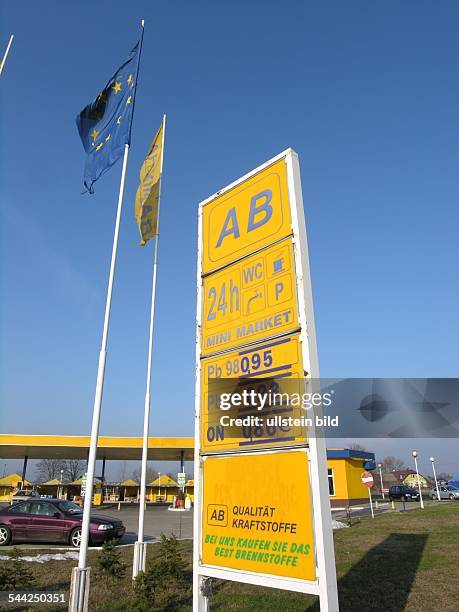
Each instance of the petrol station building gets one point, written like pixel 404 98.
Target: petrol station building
pixel 345 467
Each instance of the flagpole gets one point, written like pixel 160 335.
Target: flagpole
pixel 6 53
pixel 139 547
pixel 79 592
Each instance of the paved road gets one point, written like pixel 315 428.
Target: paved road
pixel 383 507
pixel 161 520
pixel 157 520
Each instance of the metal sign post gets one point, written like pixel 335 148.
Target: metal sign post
pixel 368 482
pixel 371 504
pixel 255 317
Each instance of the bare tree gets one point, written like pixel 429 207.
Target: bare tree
pixel 390 463
pixel 444 476
pixel 357 447
pixel 122 470
pixel 73 468
pixel 48 469
pixel 152 474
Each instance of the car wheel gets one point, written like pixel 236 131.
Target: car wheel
pixel 75 537
pixel 5 535
pixel 451 496
pixel 434 496
pixel 403 498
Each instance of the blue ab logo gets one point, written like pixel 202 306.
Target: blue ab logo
pixel 260 213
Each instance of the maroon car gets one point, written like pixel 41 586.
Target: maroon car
pixel 54 520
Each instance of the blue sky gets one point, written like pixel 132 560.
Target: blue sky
pixel 366 93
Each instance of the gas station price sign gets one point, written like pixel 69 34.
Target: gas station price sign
pixel 250 300
pixel 262 511
pixel 250 526
pixel 267 369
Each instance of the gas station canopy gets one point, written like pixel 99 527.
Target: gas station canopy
pixel 14 446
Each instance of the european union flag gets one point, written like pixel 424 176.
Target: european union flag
pixel 105 124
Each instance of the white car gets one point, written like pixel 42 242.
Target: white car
pixel 446 492
pixel 23 494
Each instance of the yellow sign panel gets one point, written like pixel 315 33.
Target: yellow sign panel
pixel 257 514
pixel 274 366
pixel 248 217
pixel 250 300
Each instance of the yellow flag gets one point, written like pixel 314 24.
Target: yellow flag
pixel 147 196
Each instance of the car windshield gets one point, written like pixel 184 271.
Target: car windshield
pixel 452 489
pixel 70 507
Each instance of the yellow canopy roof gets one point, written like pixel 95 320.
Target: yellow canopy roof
pixel 15 446
pixel 163 481
pixel 129 483
pixel 11 480
pixel 53 481
pixel 80 481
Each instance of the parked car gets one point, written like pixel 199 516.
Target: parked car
pixel 446 492
pixel 23 494
pixel 54 520
pixel 403 493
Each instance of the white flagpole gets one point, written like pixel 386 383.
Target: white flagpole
pixel 139 547
pixel 6 53
pixel 80 575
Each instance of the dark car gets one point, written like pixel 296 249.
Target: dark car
pixel 403 492
pixel 54 520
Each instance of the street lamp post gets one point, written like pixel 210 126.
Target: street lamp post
pixel 415 455
pixel 380 476
pixel 60 488
pixel 159 485
pixel 435 476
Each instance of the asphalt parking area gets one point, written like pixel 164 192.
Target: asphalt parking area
pixel 383 507
pixel 157 520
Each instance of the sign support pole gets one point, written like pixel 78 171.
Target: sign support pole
pixel 201 602
pixel 325 551
pixel 371 504
pixel 138 564
pixel 79 590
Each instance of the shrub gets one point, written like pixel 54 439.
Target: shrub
pixel 169 561
pixel 166 585
pixel 15 574
pixel 109 562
